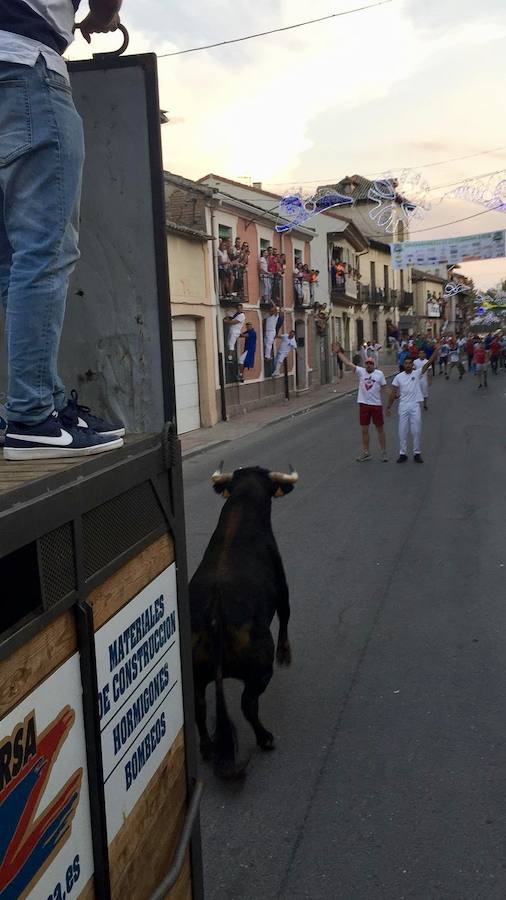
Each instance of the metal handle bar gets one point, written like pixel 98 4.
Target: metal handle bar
pixel 178 859
pixel 119 51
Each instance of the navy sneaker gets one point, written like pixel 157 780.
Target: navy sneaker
pixel 52 440
pixel 74 414
pixel 3 429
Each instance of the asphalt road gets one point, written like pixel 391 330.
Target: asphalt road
pixel 388 780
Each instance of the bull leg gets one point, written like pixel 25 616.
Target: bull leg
pixel 206 744
pixel 283 651
pixel 249 704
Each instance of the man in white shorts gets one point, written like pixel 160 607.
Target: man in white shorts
pixel 407 388
pixel 371 381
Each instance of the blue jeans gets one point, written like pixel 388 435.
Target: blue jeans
pixel 41 162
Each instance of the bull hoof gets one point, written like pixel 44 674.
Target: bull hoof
pixel 283 654
pixel 266 741
pixel 228 771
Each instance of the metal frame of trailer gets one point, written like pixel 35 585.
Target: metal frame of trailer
pixel 78 522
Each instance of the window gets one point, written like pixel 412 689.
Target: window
pixel 373 276
pixel 224 232
pixel 297 258
pixel 264 244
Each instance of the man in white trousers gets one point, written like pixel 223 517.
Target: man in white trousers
pixel 270 330
pixel 288 343
pixel 406 386
pixel 424 383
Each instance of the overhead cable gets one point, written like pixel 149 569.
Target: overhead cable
pixel 250 37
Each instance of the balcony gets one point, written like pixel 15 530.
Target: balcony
pixel 303 293
pixel 405 299
pixel 271 290
pixel 344 286
pixel 234 289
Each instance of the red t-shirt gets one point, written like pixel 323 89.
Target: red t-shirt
pixel 480 355
pixel 494 348
pixel 470 347
pixel 273 265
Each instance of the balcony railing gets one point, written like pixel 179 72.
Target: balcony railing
pixel 344 286
pixel 234 289
pixel 303 292
pixel 406 299
pixel 271 290
pixel 365 293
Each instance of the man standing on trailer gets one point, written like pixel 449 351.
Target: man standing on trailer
pixel 406 386
pixel 41 162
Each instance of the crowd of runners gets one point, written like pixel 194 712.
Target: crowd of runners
pixel 418 356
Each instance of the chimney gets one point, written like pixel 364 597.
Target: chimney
pixel 257 185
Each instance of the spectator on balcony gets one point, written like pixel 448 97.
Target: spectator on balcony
pixel 271 321
pixel 298 280
pixel 274 267
pixel 337 275
pixel 240 259
pixel 288 343
pixel 247 357
pixel 265 278
pixel 313 281
pixel 224 269
pixel 235 324
pixel 234 254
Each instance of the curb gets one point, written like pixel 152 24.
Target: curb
pixel 196 451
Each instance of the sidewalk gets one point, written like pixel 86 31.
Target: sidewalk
pixel 204 438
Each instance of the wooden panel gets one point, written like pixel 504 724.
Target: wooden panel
pixel 34 661
pixel 141 853
pixel 88 892
pixel 128 581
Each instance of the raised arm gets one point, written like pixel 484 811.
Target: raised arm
pixel 343 358
pixel 432 358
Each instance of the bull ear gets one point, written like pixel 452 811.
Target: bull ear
pixel 222 489
pixel 221 480
pixel 281 488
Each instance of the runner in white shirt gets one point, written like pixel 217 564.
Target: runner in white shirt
pixel 371 381
pixel 407 387
pixel 424 382
pixel 288 343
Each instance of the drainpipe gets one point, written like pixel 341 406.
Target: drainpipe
pixel 219 329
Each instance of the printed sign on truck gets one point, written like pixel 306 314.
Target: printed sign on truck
pixel 45 830
pixel 140 697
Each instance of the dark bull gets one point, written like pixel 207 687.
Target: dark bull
pixel 236 590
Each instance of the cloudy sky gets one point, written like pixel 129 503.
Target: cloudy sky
pixel 408 84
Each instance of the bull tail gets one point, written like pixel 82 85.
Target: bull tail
pixel 225 736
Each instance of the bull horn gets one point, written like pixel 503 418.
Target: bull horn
pixel 283 477
pixel 221 477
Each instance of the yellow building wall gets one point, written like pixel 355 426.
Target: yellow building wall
pixel 192 294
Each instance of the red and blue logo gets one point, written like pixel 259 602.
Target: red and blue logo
pixel 30 839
